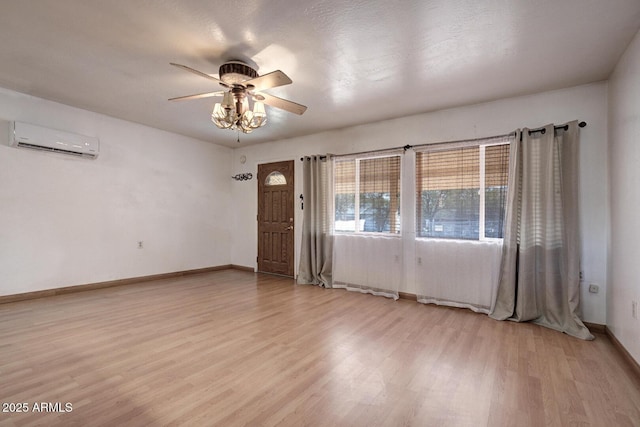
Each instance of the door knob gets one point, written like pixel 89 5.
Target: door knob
pixel 289 228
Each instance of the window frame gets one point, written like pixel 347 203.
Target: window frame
pixel 481 190
pixel 357 160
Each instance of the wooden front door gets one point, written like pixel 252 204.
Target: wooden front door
pixel 275 218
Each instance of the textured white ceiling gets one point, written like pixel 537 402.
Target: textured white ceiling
pixel 350 62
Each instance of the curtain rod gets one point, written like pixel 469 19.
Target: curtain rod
pixel 407 147
pixel 309 158
pixel 565 127
pixel 543 130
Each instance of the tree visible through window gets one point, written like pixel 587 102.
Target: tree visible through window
pixel 367 195
pixel 461 192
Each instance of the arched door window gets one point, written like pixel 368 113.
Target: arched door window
pixel 275 178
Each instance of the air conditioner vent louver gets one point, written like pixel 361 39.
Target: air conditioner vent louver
pixel 57 150
pixel 36 137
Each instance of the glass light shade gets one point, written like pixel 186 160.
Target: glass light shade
pixel 259 114
pixel 258 108
pixel 221 117
pixel 245 122
pixel 251 120
pixel 247 117
pixel 227 101
pixel 218 111
pixel 225 115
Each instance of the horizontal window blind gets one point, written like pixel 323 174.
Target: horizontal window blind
pixel 344 188
pixel 461 191
pixel 367 194
pixel 447 193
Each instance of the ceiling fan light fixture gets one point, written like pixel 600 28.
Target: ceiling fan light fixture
pixel 234 113
pixel 241 82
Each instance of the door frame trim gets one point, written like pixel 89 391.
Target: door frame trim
pixel 297 213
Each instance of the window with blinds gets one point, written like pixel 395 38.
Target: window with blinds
pixel 496 176
pixel 461 192
pixel 367 195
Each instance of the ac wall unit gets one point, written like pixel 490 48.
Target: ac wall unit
pixel 41 138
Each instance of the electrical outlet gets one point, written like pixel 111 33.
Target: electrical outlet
pixel 594 288
pixel 634 309
pixel 140 246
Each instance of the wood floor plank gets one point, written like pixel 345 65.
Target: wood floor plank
pixel 237 348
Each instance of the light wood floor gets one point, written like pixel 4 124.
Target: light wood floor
pixel 235 348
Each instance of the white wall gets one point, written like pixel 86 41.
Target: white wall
pixel 586 103
pixel 69 221
pixel 624 166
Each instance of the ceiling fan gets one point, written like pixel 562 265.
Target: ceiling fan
pixel 241 82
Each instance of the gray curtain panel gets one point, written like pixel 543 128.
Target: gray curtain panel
pixel 317 245
pixel 540 269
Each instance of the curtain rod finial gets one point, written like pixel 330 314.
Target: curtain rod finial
pixel 582 124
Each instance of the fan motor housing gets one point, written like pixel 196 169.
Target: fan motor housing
pixel 236 73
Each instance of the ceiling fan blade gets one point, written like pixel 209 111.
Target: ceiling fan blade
pixel 199 73
pixel 283 104
pixel 197 96
pixel 269 80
